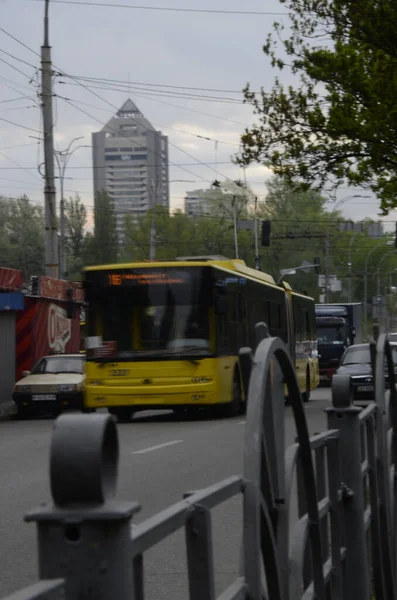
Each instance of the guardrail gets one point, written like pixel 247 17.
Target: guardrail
pixel 346 500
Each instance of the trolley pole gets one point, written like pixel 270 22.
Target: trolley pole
pixel 51 229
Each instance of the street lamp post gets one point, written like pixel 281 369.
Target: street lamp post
pixel 327 242
pixel 378 286
pixel 383 243
pixel 350 265
pixel 152 191
pixel 62 158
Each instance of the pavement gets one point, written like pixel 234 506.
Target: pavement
pixel 161 457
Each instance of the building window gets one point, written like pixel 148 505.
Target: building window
pixel 111 149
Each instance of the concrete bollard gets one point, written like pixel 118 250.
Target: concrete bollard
pixel 84 537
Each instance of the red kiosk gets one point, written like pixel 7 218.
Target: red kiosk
pixel 44 327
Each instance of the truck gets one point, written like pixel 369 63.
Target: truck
pixel 338 326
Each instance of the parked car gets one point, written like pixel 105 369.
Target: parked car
pixel 55 383
pixel 356 362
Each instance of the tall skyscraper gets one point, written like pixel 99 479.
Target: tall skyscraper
pixel 130 161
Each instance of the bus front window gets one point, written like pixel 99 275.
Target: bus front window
pixel 155 318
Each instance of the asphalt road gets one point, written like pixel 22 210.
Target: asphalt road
pixel 161 458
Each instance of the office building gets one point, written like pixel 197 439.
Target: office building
pixel 197 204
pixel 130 161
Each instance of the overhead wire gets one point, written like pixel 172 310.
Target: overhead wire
pixel 171 9
pixel 208 138
pixel 140 95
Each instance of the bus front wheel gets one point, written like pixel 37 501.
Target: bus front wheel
pixel 122 413
pixel 234 408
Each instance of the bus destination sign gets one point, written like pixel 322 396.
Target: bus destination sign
pixel 144 278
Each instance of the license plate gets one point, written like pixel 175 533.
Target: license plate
pixel 45 397
pixel 323 377
pixel 365 388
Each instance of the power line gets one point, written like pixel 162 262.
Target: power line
pixel 91 116
pixel 171 9
pixel 203 137
pixel 140 95
pixel 18 125
pixel 157 85
pixel 15 99
pixel 165 93
pixel 18 59
pixel 134 120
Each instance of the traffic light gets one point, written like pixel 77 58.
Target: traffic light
pixel 265 239
pixel 317 267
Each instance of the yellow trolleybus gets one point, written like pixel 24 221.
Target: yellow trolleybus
pixel 166 335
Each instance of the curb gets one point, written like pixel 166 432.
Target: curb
pixel 7 410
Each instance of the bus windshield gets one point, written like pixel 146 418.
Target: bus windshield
pixel 152 312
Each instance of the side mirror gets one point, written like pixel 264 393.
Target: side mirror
pixel 353 331
pixel 221 305
pixel 25 373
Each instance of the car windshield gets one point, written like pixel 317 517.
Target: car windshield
pixel 331 335
pixel 361 355
pixel 59 364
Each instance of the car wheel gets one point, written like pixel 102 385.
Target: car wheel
pixel 306 393
pixel 24 413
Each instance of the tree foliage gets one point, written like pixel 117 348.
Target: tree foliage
pixel 339 122
pixel 104 244
pixel 76 237
pixel 22 235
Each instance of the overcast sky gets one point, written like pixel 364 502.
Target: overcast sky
pixel 138 48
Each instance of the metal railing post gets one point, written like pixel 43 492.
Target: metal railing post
pixel 84 537
pixel 200 556
pixel 345 417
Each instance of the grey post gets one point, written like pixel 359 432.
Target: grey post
pixel 51 235
pixel 84 537
pixel 345 417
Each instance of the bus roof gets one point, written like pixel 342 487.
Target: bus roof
pixel 221 263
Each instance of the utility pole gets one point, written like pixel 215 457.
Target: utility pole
pixel 51 229
pixel 326 287
pixel 234 202
pixel 257 263
pixel 153 205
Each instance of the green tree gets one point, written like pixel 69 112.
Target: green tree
pixel 339 122
pixel 76 220
pixel 104 246
pixel 22 235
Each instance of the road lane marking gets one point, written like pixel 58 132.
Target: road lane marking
pixel 241 423
pixel 158 447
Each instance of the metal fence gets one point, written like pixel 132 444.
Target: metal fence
pixel 343 545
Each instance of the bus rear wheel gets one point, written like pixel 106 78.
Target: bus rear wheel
pixel 122 413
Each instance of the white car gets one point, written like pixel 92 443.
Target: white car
pixel 55 383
